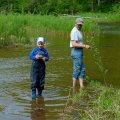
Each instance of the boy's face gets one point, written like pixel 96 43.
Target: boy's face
pixel 40 44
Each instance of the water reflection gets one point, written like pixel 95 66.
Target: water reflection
pixel 38 109
pixel 110 37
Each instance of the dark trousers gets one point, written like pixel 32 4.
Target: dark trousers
pixel 38 75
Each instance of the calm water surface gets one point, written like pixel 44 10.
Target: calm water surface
pixel 15 95
pixel 108 44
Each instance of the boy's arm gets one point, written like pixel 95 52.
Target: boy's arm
pixel 33 55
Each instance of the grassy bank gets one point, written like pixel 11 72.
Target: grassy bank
pixel 17 29
pixel 95 102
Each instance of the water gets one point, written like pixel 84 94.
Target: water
pixel 15 95
pixel 109 45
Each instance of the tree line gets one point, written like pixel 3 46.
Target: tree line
pixel 57 6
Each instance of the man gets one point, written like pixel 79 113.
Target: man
pixel 76 45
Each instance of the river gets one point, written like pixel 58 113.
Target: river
pixel 15 95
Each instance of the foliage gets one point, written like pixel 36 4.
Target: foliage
pixel 18 29
pixel 57 6
pixel 116 8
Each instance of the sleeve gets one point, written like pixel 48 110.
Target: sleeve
pixel 46 56
pixel 33 54
pixel 74 36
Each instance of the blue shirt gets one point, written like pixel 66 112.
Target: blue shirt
pixel 37 50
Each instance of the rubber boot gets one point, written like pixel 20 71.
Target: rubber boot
pixel 34 93
pixel 39 92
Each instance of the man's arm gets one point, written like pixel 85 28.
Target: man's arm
pixel 76 45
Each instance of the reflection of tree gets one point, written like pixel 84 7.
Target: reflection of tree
pixel 38 109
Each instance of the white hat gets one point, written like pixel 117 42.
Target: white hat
pixel 79 21
pixel 42 39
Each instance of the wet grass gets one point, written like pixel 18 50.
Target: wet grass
pixel 95 102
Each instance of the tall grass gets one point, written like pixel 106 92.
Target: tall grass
pixel 13 30
pixel 22 29
pixel 96 102
pixel 16 29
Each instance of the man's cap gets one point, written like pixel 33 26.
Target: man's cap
pixel 79 21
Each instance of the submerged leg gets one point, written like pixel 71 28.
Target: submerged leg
pixel 81 83
pixel 33 92
pixel 74 85
pixel 39 92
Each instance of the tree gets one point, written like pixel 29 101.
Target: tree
pixel 56 6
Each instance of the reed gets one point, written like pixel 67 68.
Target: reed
pixel 22 29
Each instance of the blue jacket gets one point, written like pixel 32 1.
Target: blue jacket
pixel 37 50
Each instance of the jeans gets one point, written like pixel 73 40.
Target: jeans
pixel 78 67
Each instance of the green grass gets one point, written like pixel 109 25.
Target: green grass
pixel 95 102
pixel 17 29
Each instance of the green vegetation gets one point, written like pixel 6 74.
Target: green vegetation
pixel 95 102
pixel 16 29
pixel 23 29
pixel 56 7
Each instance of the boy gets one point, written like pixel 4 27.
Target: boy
pixel 39 55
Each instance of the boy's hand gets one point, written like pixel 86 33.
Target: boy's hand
pixel 43 58
pixel 37 56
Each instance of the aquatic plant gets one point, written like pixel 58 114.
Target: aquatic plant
pixel 96 54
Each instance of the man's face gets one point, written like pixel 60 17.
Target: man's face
pixel 79 26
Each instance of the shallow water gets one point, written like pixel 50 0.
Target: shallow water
pixel 15 95
pixel 109 47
